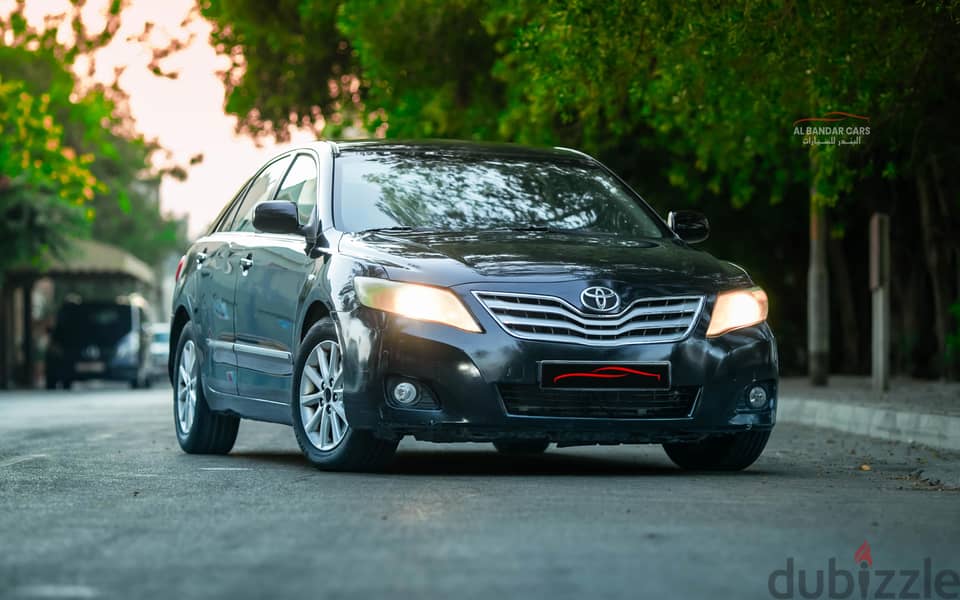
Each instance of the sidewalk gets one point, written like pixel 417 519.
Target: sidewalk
pixel 921 412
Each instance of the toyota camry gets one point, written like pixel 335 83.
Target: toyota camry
pixel 463 292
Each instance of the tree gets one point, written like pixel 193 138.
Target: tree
pixel 83 136
pixel 705 100
pixel 45 187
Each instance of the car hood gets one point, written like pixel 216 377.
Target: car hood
pixel 449 259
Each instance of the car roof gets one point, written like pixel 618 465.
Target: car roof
pixel 454 147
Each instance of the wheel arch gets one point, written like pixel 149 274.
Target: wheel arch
pixel 180 319
pixel 316 311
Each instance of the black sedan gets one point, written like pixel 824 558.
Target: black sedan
pixel 366 291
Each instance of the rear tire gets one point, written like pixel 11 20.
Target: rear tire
pixel 326 439
pixel 199 429
pixel 733 452
pixel 521 447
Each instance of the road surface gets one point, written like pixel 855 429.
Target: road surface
pixel 97 501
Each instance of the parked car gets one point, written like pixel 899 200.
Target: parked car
pixel 366 291
pixel 106 340
pixel 159 350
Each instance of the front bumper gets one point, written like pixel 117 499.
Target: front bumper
pixel 465 371
pixel 110 371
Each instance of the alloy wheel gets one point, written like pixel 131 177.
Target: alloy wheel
pixel 187 386
pixel 321 396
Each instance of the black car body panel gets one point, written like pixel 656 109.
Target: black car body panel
pixel 449 259
pixel 254 295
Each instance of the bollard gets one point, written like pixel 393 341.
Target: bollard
pixel 880 293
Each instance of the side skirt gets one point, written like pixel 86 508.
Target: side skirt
pixel 257 409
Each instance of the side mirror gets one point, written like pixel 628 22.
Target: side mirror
pixel 277 216
pixel 690 225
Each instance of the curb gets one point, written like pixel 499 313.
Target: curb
pixel 935 431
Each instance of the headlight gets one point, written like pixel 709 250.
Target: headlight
pixel 128 346
pixel 414 301
pixel 737 309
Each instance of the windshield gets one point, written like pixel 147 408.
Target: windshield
pixel 105 324
pixel 457 191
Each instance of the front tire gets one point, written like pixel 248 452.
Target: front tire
pixel 319 419
pixel 732 452
pixel 199 429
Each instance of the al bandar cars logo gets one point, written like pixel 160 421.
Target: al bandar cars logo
pixel 836 128
pixel 864 582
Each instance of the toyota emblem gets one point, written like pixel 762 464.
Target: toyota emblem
pixel 600 299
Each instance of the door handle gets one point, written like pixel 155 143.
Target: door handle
pixel 201 257
pixel 245 264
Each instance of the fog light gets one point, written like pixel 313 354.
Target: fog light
pixel 757 397
pixel 405 393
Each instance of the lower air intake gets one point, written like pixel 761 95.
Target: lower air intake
pixel 532 401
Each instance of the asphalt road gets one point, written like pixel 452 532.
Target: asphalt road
pixel 97 500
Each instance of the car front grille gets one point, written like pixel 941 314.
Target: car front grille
pixel 533 401
pixel 551 319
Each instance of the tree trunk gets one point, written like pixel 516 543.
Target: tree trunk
pixel 946 236
pixel 843 286
pixel 818 290
pixel 935 257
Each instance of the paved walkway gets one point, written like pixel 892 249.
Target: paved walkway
pixel 97 501
pixel 921 412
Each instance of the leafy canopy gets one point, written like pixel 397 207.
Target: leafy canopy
pixel 70 163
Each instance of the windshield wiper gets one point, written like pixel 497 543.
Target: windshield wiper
pixel 548 229
pixel 400 228
pixel 533 228
pixel 394 228
pixel 524 228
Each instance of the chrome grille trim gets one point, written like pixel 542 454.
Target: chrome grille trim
pixel 552 319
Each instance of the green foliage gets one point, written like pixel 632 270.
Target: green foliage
pixel 694 104
pixel 717 90
pixel 436 86
pixel 45 187
pixel 953 340
pixel 297 54
pixel 74 167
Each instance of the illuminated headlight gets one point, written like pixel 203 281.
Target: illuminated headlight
pixel 737 309
pixel 414 301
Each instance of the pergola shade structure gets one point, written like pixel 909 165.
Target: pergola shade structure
pixel 84 261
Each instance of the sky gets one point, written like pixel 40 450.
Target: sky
pixel 185 115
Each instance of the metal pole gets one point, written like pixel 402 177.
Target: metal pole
pixel 818 298
pixel 28 363
pixel 880 293
pixel 6 335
